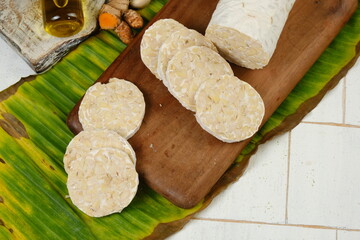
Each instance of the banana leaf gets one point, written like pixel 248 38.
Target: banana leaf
pixel 34 135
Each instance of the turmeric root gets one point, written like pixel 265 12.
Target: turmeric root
pixel 133 18
pixel 124 32
pixel 121 5
pixel 109 17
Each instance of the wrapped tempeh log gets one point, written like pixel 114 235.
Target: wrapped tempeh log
pixel 246 32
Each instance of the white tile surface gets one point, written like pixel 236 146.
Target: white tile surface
pixel 330 108
pixel 209 230
pixel 352 113
pixel 348 235
pixel 12 66
pixel 260 194
pixel 324 180
pixel 324 175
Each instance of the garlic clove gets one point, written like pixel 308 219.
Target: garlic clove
pixel 139 3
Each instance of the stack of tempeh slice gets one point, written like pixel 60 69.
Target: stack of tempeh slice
pixel 202 81
pixel 100 162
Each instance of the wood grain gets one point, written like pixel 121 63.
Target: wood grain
pixel 175 156
pixel 21 26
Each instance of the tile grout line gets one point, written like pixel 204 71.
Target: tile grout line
pixel 288 178
pixel 344 101
pixel 336 234
pixel 274 224
pixel 332 124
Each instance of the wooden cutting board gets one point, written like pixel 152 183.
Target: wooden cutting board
pixel 176 157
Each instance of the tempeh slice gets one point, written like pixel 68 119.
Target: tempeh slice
pixel 89 140
pixel 102 182
pixel 228 108
pixel 152 40
pixel 179 40
pixel 189 68
pixel 246 32
pixel 118 105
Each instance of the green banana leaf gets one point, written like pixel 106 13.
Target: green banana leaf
pixel 34 135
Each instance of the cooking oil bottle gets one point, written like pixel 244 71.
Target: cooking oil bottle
pixel 62 18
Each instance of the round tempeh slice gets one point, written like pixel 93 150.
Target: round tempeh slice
pixel 229 109
pixel 179 40
pixel 152 40
pixel 238 47
pixel 189 68
pixel 102 182
pixel 118 105
pixel 88 140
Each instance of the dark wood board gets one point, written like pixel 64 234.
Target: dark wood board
pixel 176 157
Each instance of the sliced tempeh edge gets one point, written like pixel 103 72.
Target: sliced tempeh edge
pixel 178 40
pixel 228 108
pixel 246 32
pixel 88 140
pixel 189 68
pixel 118 105
pixel 152 40
pixel 102 182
